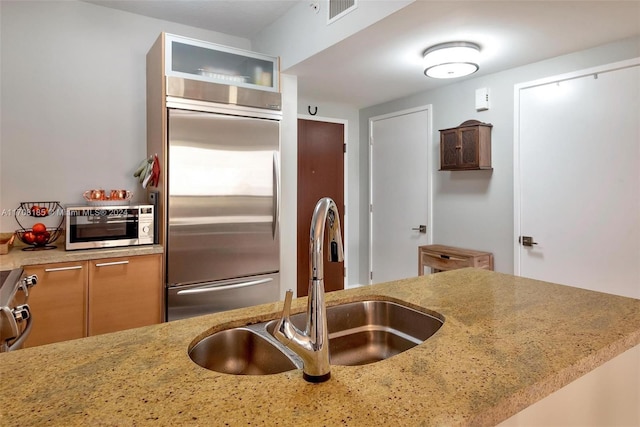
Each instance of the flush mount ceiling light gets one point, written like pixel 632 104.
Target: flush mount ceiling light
pixel 450 60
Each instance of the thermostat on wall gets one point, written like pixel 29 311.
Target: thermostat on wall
pixel 482 99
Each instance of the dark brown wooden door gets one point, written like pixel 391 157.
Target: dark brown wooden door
pixel 320 174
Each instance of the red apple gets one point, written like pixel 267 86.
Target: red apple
pixel 29 237
pixel 41 239
pixel 39 228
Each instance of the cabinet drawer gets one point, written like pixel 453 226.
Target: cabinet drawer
pixel 443 258
pixel 444 262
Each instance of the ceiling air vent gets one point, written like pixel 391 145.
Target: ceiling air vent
pixel 339 8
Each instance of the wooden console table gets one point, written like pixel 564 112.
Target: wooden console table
pixel 443 258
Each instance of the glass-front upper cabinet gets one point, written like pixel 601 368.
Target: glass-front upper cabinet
pixel 210 62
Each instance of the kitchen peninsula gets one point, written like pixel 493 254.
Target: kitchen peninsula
pixel 506 343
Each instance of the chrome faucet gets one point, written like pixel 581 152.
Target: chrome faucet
pixel 312 345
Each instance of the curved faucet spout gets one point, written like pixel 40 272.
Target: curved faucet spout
pixel 312 345
pixel 325 212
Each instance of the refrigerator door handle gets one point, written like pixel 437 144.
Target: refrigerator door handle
pixel 216 288
pixel 276 194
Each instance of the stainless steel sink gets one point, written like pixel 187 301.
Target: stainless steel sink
pixel 369 331
pixel 359 333
pixel 240 351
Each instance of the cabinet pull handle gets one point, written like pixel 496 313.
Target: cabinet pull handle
pixel 106 264
pixel 443 256
pixel 51 270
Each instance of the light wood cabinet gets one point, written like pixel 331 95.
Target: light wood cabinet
pixel 58 302
pixel 466 147
pixel 84 298
pixel 124 293
pixel 443 258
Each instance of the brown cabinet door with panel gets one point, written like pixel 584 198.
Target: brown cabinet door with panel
pixel 124 293
pixel 449 149
pixel 58 302
pixel 469 147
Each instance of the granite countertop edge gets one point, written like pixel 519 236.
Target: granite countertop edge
pixel 18 258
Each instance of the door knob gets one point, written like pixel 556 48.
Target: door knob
pixel 421 229
pixel 526 241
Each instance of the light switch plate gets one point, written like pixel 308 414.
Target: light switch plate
pixel 482 99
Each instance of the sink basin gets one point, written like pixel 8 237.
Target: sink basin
pixel 240 351
pixel 360 333
pixel 369 331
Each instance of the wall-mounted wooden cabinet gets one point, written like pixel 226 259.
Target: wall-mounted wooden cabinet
pixel 466 147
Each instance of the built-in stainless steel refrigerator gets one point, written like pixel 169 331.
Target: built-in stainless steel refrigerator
pixel 222 238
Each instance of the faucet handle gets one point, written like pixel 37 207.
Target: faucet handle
pixel 287 303
pixel 284 327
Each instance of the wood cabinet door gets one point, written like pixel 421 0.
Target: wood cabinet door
pixel 58 302
pixel 124 293
pixel 469 140
pixel 449 149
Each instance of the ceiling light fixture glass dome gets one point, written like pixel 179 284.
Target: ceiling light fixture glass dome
pixel 451 60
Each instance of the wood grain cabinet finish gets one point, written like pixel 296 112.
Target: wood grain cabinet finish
pixel 466 147
pixel 58 302
pixel 444 258
pixel 78 299
pixel 124 293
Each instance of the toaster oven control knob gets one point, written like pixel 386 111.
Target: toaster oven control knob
pixel 145 229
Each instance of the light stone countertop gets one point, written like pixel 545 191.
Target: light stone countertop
pixel 506 343
pixel 18 258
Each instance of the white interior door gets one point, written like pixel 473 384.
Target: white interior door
pixel 578 179
pixel 400 192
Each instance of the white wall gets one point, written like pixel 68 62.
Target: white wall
pixel 73 98
pixel 289 184
pixel 474 209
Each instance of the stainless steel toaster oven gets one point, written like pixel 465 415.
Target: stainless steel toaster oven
pixel 88 227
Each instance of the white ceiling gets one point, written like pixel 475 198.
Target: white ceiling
pixel 383 61
pixel 241 18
